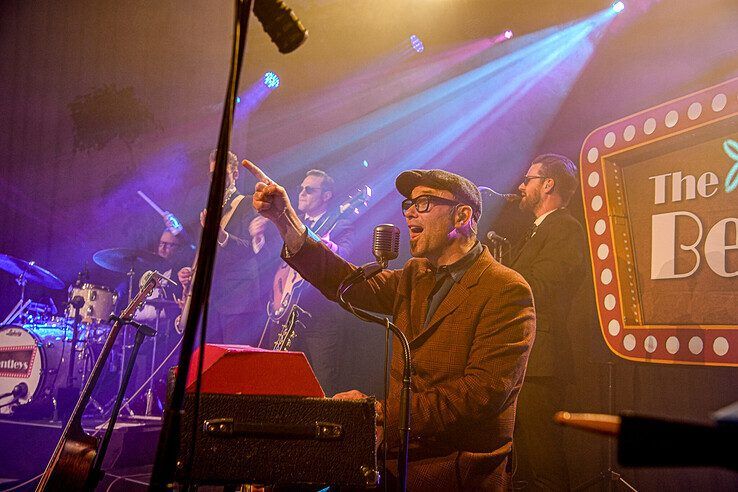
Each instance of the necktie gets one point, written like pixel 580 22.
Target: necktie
pixel 521 244
pixel 528 234
pixel 436 296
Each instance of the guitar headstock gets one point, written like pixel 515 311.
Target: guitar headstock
pixel 149 281
pixel 356 201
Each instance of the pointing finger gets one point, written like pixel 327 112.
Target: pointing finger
pixel 258 173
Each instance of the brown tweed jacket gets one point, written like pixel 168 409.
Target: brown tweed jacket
pixel 468 362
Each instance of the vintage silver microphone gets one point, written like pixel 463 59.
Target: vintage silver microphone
pixel 385 247
pixel 385 243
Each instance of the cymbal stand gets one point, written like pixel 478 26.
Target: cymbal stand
pixel 15 312
pixel 22 281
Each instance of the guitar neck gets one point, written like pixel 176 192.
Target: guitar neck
pixel 74 424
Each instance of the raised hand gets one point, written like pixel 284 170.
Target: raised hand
pixel 270 199
pixel 185 276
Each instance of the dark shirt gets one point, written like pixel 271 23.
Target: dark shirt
pixel 447 275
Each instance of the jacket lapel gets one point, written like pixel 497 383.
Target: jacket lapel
pixel 455 297
pixel 419 299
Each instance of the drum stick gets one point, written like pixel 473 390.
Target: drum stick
pixel 151 202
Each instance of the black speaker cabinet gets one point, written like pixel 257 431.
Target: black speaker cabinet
pixel 278 440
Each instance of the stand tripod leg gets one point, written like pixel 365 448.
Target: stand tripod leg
pixel 95 474
pixel 609 476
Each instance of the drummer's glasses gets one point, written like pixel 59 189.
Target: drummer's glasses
pixel 168 245
pixel 423 203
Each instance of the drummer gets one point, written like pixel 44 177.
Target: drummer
pixel 172 252
pixel 170 249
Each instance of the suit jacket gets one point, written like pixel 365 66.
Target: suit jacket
pixel 552 261
pixel 236 287
pixel 343 234
pixel 468 361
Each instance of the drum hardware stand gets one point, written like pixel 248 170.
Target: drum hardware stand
pixel 15 312
pixel 69 393
pixel 76 303
pixel 22 281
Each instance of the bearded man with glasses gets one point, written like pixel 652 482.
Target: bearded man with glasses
pixel 470 322
pixel 551 258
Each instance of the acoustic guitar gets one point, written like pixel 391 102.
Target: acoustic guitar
pixel 73 460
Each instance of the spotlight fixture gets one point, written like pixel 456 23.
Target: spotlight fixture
pixel 502 37
pixel 617 7
pixel 416 43
pixel 271 80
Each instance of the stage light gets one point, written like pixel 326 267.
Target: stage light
pixel 238 99
pixel 271 80
pixel 416 43
pixel 502 37
pixel 365 163
pixel 617 7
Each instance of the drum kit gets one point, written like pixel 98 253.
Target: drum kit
pixel 45 353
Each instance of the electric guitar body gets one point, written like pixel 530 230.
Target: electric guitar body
pixel 287 282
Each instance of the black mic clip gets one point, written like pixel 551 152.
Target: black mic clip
pixel 364 272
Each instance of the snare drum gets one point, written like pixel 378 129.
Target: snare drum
pixel 99 302
pixel 38 355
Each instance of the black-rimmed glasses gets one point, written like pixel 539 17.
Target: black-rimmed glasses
pixel 423 202
pixel 526 178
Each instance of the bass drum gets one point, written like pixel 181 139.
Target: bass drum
pixel 37 356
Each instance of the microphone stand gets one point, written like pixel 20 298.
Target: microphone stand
pixel 165 464
pixel 364 273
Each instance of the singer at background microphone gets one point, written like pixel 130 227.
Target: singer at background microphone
pixel 470 319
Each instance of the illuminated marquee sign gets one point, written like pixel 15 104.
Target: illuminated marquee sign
pixel 659 192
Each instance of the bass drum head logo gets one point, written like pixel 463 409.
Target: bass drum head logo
pixel 16 361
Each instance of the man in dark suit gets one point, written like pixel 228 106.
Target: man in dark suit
pixel 469 320
pixel 235 311
pixel 321 336
pixel 551 258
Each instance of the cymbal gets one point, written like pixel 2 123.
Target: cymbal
pixel 30 271
pixel 125 259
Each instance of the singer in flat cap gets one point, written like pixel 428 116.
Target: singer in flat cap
pixel 470 322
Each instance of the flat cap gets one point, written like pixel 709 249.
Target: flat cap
pixel 463 190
